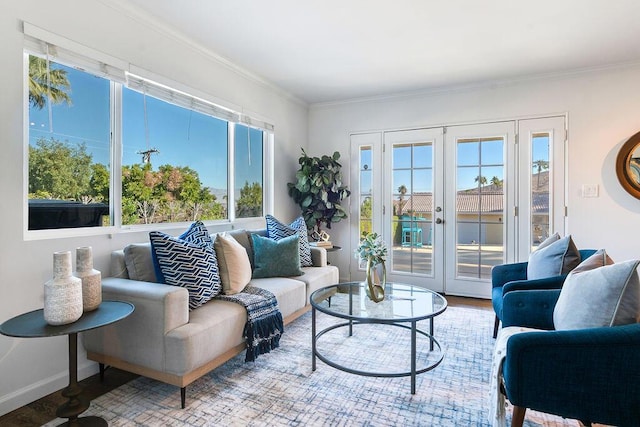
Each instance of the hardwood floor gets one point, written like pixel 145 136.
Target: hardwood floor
pixel 44 410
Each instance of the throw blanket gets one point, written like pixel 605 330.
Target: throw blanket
pixel 264 321
pixel 497 413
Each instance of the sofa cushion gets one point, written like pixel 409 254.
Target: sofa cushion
pixel 319 277
pixel 277 230
pixel 554 257
pixel 233 261
pixel 137 258
pixel 276 258
pixel 189 265
pixel 599 293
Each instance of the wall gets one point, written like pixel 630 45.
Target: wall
pixel 603 107
pixel 32 368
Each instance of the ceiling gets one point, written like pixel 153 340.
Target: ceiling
pixel 332 50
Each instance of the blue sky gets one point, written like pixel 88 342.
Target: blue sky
pixel 182 137
pixel 469 155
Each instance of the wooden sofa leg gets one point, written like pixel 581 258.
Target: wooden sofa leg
pixel 518 416
pixel 102 369
pixel 183 396
pixel 496 324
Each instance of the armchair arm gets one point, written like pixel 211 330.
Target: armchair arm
pixel 504 273
pixel 530 308
pixel 588 374
pixel 554 282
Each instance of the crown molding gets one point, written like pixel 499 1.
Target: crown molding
pixel 557 75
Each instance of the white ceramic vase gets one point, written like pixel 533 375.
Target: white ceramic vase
pixel 63 293
pixel 91 279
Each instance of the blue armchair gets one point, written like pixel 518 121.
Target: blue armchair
pixel 511 277
pixel 592 375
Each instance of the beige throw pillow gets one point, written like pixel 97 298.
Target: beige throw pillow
pixel 233 263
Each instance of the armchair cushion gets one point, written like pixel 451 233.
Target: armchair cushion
pixel 599 293
pixel 555 256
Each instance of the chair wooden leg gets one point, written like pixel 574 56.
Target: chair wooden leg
pixel 518 416
pixel 496 324
pixel 102 369
pixel 183 396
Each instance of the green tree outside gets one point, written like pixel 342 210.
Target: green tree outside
pixel 250 202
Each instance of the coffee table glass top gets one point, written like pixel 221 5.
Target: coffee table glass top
pixel 401 302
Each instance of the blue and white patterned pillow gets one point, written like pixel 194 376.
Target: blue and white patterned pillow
pixel 190 263
pixel 277 231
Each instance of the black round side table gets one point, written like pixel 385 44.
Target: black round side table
pixel 33 325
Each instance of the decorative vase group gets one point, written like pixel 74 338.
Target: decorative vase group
pixel 67 295
pixel 376 280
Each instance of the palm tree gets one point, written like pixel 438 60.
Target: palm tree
pixel 482 180
pixel 497 182
pixel 402 190
pixel 540 165
pixel 55 86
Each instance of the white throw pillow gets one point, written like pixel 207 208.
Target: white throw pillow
pixel 599 293
pixel 554 257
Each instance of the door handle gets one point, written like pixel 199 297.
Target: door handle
pixel 439 221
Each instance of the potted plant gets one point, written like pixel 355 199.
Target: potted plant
pixel 318 190
pixel 373 250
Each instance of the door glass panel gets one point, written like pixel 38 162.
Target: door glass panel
pixel 365 220
pixel 539 188
pixel 412 193
pixel 479 206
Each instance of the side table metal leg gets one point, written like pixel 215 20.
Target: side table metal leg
pixel 413 357
pixel 431 334
pixel 76 404
pixel 313 338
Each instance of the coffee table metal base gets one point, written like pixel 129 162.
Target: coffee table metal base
pixel 349 324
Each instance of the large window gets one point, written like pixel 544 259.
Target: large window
pixel 69 140
pixel 122 152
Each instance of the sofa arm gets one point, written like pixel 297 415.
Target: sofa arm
pixel 554 282
pixel 318 256
pixel 139 338
pixel 589 374
pixel 504 273
pixel 530 308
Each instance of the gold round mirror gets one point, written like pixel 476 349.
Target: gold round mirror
pixel 628 165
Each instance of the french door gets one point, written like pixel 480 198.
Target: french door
pixel 452 202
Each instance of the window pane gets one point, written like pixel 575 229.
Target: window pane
pixel 248 172
pixel 540 188
pixel 174 162
pixel 69 140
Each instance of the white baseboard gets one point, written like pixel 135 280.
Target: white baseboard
pixel 37 390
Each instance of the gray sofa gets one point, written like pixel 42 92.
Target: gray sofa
pixel 165 341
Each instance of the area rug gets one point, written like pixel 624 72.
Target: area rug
pixel 280 389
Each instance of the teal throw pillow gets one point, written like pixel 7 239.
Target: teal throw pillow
pixel 276 258
pixel 554 257
pixel 599 293
pixel 276 230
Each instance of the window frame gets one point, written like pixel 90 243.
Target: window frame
pixel 73 55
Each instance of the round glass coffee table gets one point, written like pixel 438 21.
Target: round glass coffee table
pixel 403 306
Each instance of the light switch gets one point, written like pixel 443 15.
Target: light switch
pixel 589 190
